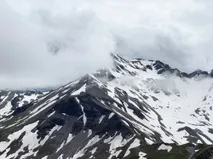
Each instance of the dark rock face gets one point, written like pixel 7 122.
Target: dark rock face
pixel 164 68
pixel 211 73
pixel 149 67
pixel 160 65
pixel 21 109
pixel 198 73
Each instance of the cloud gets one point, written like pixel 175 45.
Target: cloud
pixel 49 43
pixel 28 53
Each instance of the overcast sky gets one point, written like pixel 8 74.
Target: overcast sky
pixel 178 32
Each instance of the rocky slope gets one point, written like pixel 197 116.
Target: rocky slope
pixel 138 109
pixel 12 102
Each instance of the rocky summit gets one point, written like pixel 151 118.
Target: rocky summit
pixel 138 109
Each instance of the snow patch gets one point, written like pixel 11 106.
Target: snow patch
pixel 142 155
pixel 165 147
pixel 134 144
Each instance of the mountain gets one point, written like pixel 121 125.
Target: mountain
pixel 12 102
pixel 137 109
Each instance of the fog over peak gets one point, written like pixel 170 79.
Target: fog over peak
pixel 49 43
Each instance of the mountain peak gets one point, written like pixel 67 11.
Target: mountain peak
pixel 159 66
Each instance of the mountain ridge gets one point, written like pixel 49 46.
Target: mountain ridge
pixel 119 112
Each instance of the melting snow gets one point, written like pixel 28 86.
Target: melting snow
pixel 165 147
pixel 51 114
pixel 60 147
pixel 70 137
pixel 111 115
pixel 61 156
pixel 6 109
pixel 101 118
pixel 28 99
pixel 77 92
pixel 29 139
pixel 91 142
pixel 142 155
pixel 116 142
pixel 84 115
pixel 94 150
pixel 134 144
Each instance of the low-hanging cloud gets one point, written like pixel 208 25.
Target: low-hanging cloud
pixel 52 49
pixel 49 43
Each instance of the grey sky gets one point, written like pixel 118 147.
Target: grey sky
pixel 179 33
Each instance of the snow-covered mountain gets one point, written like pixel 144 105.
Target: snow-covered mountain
pixel 13 102
pixel 138 109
